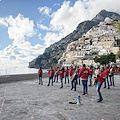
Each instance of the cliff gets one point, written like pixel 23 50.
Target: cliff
pixel 53 53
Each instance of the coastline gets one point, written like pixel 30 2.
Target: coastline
pixel 20 77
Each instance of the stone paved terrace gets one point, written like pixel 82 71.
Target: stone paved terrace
pixel 26 100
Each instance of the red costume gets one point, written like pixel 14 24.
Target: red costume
pixel 40 72
pixel 112 70
pixel 67 71
pixel 84 73
pixel 51 72
pixel 61 73
pixel 91 71
pixel 107 70
pixel 101 77
pixel 72 70
pixel 119 70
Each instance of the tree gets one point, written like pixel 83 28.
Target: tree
pixel 96 59
pixel 111 57
pixel 118 26
pixel 118 55
pixel 105 59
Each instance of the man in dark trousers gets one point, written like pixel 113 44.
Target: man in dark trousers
pixel 51 75
pixel 84 73
pixel 73 77
pixel 107 70
pixel 90 76
pixel 99 81
pixel 40 76
pixel 67 74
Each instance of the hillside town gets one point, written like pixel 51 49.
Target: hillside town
pixel 99 40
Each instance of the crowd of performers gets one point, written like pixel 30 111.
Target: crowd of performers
pixel 76 75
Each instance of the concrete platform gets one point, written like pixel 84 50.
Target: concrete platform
pixel 26 100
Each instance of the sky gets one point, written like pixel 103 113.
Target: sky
pixel 27 27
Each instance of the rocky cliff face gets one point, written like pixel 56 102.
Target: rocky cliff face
pixel 53 53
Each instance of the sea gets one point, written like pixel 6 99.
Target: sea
pixel 19 70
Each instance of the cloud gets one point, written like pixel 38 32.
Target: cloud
pixel 41 26
pixel 39 36
pixel 45 10
pixel 56 4
pixel 10 50
pixel 12 57
pixel 64 21
pixel 109 5
pixel 20 29
pixel 3 22
pixel 68 17
pixel 51 38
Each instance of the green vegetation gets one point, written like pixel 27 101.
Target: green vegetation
pixel 118 26
pixel 118 55
pixel 105 59
pixel 54 61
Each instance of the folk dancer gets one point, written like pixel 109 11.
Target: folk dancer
pixel 118 69
pixel 97 70
pixel 111 76
pixel 61 74
pixel 107 70
pixel 91 74
pixel 78 77
pixel 99 80
pixel 56 74
pixel 51 75
pixel 84 73
pixel 40 76
pixel 67 74
pixel 73 77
